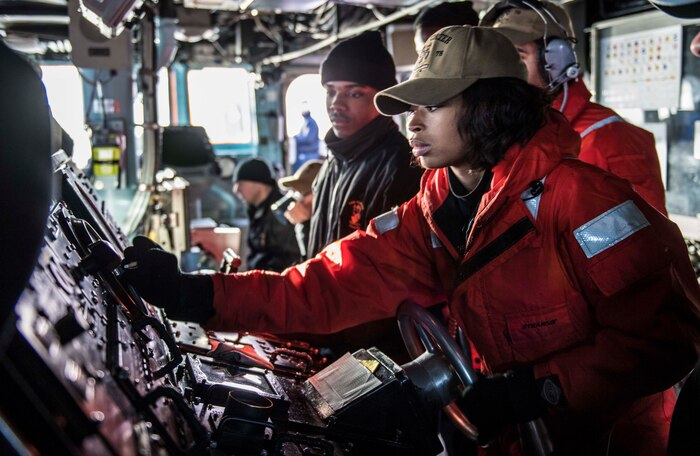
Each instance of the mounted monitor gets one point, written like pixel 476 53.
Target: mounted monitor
pixel 109 16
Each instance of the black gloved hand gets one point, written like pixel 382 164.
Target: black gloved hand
pixel 155 274
pixel 497 401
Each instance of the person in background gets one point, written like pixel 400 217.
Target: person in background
pixel 306 141
pixel 578 294
pixel 368 170
pixel 299 211
pixel 543 35
pixel 432 19
pixel 271 242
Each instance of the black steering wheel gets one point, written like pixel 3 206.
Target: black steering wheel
pixel 421 332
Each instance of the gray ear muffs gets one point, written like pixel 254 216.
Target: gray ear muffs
pixel 559 60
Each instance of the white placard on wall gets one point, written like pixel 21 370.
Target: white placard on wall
pixel 642 69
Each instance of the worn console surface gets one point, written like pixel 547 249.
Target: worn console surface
pixel 91 368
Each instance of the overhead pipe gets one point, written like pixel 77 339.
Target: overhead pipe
pixel 277 59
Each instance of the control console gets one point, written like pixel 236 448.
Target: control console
pixel 91 368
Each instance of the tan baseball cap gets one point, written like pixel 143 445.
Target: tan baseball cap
pixel 301 180
pixel 522 23
pixel 451 60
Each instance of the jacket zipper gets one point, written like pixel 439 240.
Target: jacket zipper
pixel 479 226
pixel 335 229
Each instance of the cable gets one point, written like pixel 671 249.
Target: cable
pixel 275 38
pixel 93 84
pixel 101 96
pixel 565 98
pixel 563 29
pixel 546 23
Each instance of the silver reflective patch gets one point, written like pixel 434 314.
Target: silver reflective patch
pixel 533 205
pixel 387 221
pixel 609 228
pixel 434 240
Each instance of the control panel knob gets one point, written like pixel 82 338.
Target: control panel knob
pixel 70 326
pixel 102 256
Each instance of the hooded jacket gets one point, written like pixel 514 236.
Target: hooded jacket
pixel 612 144
pixel 578 278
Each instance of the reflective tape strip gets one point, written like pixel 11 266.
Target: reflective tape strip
pixel 601 123
pixel 434 240
pixel 609 228
pixel 387 221
pixel 532 202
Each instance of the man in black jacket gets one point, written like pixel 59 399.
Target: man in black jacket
pixel 368 170
pixel 271 240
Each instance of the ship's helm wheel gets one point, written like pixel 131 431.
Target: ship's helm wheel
pixel 422 332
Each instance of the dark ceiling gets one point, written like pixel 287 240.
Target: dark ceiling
pixel 228 30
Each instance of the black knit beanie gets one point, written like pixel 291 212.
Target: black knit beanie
pixel 362 59
pixel 255 170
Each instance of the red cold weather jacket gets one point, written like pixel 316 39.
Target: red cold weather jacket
pixel 582 280
pixel 612 144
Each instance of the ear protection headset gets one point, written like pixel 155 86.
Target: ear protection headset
pixel 557 57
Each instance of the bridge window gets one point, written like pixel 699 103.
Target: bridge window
pixel 306 93
pixel 221 101
pixel 163 97
pixel 64 91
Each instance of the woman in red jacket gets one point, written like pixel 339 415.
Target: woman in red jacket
pixel 577 294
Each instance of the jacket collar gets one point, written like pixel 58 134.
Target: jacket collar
pixel 255 212
pixel 577 98
pixel 533 161
pixel 366 139
pixel 552 143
